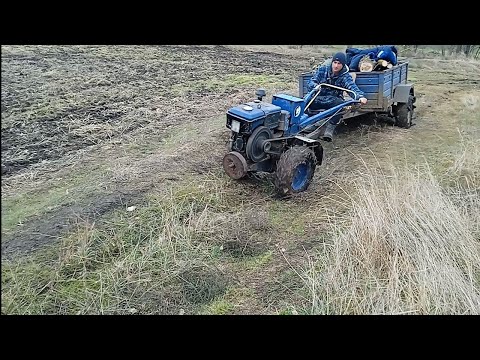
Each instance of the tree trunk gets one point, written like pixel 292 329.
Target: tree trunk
pixel 467 50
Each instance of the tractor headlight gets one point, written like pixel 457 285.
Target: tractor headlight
pixel 236 126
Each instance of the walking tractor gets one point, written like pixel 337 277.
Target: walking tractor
pixel 277 137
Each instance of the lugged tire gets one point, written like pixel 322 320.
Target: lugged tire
pixel 295 170
pixel 404 114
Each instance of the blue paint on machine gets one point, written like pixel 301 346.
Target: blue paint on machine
pixel 251 111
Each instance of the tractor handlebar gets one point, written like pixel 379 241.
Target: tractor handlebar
pixel 310 94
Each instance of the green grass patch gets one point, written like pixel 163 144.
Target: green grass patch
pixel 234 298
pixel 15 211
pixel 257 262
pixel 19 207
pixel 25 287
pixel 182 135
pixel 291 221
pixel 218 307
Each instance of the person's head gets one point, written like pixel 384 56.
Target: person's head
pixel 338 62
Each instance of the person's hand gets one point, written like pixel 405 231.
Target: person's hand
pixel 363 100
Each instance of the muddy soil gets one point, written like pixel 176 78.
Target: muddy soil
pixel 63 99
pixel 75 104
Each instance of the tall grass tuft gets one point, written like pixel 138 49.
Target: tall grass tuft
pixel 411 248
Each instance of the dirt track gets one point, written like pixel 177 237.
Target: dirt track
pixel 65 108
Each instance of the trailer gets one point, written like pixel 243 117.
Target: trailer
pixel 388 92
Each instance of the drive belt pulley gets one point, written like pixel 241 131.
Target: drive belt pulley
pixel 256 143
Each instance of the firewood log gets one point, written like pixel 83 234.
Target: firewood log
pixel 383 63
pixel 366 64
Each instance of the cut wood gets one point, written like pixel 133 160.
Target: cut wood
pixel 366 64
pixel 383 63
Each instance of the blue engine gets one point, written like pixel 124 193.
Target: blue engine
pixel 283 117
pixel 284 111
pixel 250 118
pixel 247 117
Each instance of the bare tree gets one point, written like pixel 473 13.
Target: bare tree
pixel 467 49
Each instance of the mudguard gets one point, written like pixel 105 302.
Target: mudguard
pixel 402 92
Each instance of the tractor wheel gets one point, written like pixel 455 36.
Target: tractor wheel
pixel 295 170
pixel 404 114
pixel 235 165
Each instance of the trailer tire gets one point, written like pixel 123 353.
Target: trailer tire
pixel 404 113
pixel 295 170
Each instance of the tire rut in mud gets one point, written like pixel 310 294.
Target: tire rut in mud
pixel 52 226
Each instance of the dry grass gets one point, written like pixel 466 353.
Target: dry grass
pixel 464 177
pixel 144 261
pixel 466 166
pixel 412 247
pixel 166 256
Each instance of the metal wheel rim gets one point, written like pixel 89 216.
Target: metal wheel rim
pixel 301 175
pixel 235 165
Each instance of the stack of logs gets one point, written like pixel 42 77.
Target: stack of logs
pixel 366 64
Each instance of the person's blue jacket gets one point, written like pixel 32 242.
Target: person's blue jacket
pixel 324 75
pixel 385 52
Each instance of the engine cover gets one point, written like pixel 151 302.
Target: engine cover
pixel 252 111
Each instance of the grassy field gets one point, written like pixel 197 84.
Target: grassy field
pixel 114 200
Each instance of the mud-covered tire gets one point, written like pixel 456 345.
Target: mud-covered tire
pixel 295 170
pixel 404 114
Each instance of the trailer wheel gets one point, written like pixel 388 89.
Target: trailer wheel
pixel 404 114
pixel 295 170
